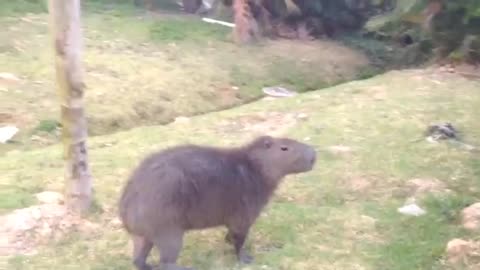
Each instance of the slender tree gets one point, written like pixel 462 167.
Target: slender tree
pixel 67 40
pixel 246 28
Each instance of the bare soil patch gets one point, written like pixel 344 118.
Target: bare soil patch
pixel 24 230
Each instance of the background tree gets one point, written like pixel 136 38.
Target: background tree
pixel 67 39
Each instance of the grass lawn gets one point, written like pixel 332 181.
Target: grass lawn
pixel 343 215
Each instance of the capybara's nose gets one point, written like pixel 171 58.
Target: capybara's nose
pixel 312 155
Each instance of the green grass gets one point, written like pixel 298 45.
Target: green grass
pixel 182 30
pixel 342 215
pixel 13 197
pixel 22 6
pixel 147 69
pixel 47 125
pixel 419 243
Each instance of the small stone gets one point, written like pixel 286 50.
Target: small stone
pixel 430 139
pixel 471 217
pixel 302 116
pixel 458 249
pixel 182 119
pixel 116 222
pixel 8 78
pixel 50 197
pixel 7 133
pixel 411 210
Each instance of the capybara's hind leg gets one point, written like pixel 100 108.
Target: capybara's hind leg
pixel 141 249
pixel 237 237
pixel 169 243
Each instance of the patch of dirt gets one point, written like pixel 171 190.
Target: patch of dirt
pixel 272 123
pixel 228 95
pixel 419 187
pixel 371 185
pixel 6 117
pixel 461 252
pixel 471 217
pixel 356 186
pixel 359 184
pixel 23 230
pixel 465 70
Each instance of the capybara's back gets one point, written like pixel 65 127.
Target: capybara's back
pixel 193 187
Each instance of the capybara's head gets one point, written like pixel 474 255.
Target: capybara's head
pixel 279 157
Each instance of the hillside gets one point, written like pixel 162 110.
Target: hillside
pixel 148 69
pixel 343 215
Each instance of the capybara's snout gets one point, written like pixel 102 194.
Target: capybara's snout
pixel 311 155
pixel 306 158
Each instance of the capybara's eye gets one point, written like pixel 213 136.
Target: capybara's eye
pixel 284 148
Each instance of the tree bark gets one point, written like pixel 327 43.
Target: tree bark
pixel 67 40
pixel 246 28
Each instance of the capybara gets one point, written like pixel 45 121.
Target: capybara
pixel 191 187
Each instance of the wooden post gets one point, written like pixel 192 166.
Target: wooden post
pixel 67 40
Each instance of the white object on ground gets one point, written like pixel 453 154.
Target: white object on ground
pixel 209 20
pixel 277 91
pixel 6 133
pixel 9 77
pixel 412 210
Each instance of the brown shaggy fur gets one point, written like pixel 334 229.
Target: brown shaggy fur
pixel 193 187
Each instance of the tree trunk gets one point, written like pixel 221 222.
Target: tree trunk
pixel 246 28
pixel 191 6
pixel 67 40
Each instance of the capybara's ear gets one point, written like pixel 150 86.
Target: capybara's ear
pixel 267 141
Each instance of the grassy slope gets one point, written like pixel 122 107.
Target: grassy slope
pixel 340 216
pixel 143 69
